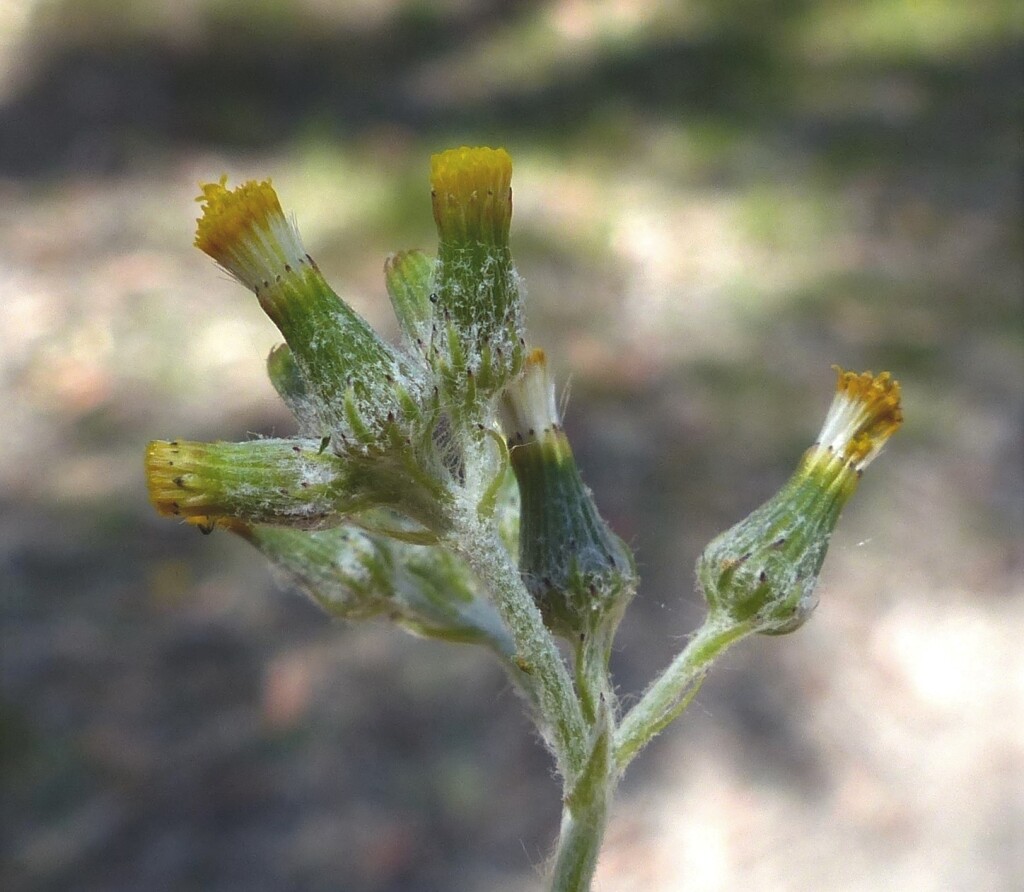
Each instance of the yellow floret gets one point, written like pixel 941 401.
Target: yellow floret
pixel 472 193
pixel 229 215
pixel 879 414
pixel 167 479
pixel 865 412
pixel 881 393
pixel 465 171
pixel 246 232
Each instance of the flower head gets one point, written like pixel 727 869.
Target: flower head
pixel 764 570
pixel 580 574
pixel 350 376
pixel 476 344
pixel 288 482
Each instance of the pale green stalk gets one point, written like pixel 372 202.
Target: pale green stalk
pixel 672 692
pixel 585 813
pixel 536 654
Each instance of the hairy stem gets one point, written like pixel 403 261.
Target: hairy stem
pixel 537 656
pixel 584 813
pixel 672 692
pixel 593 684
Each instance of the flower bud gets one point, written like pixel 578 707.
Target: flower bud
pixel 353 377
pixel 407 277
pixel 296 483
pixel 285 375
pixel 341 569
pixel 476 340
pixel 764 570
pixel 288 482
pixel 580 574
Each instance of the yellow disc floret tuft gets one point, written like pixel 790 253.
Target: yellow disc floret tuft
pixel 471 193
pixel 866 411
pixel 465 171
pixel 169 481
pixel 229 214
pixel 536 357
pixel 878 397
pixel 245 230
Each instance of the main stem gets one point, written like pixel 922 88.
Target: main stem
pixel 590 751
pixel 584 814
pixel 537 657
pixel 585 809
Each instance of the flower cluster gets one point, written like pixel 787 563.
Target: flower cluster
pixel 431 481
pixel 403 443
pixel 422 444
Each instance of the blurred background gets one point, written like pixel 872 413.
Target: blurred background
pixel 715 200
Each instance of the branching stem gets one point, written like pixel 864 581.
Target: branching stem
pixel 672 692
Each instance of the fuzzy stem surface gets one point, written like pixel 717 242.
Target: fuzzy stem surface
pixel 585 813
pixel 670 694
pixel 537 657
